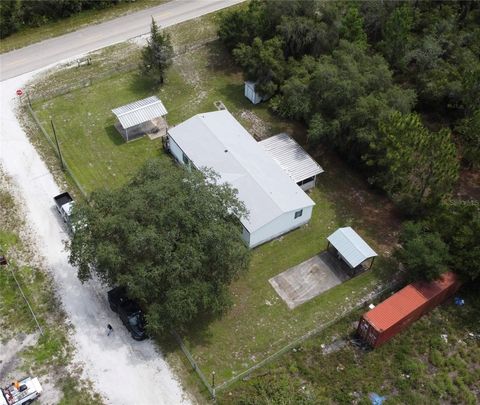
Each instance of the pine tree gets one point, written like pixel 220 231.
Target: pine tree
pixel 420 167
pixel 157 55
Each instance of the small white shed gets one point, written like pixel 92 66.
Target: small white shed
pixel 350 247
pixel 251 94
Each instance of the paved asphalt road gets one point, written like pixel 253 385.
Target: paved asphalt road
pixel 94 37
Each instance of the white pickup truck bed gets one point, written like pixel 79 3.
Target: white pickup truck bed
pixel 28 390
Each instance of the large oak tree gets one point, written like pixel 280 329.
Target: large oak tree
pixel 171 236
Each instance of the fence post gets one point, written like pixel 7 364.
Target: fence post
pixel 194 365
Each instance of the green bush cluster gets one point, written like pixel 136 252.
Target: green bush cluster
pixel 15 14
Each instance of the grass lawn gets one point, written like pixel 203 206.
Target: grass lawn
pixel 94 150
pixel 435 361
pixel 259 323
pixel 30 35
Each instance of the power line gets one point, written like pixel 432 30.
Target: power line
pixel 26 300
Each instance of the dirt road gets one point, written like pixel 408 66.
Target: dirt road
pixel 122 370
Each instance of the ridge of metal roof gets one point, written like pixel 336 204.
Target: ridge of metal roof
pixel 218 141
pixel 351 246
pixel 140 111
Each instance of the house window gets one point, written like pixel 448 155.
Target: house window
pixel 298 214
pixel 186 160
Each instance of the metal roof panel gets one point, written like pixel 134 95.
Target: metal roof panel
pixel 140 111
pixel 291 157
pixel 351 246
pixel 218 141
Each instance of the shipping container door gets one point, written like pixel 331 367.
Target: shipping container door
pixel 363 328
pixel 371 337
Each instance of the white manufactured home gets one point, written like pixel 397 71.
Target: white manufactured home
pixel 216 140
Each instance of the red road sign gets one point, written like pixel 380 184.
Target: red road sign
pixel 19 92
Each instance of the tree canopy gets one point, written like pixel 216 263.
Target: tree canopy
pixel 343 68
pixel 420 167
pixel 448 238
pixel 157 54
pixel 263 63
pixel 170 236
pixel 424 254
pixel 469 132
pixel 458 223
pixel 16 14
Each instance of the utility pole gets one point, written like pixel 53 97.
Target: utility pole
pixel 58 146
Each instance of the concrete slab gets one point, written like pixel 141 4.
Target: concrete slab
pixel 309 279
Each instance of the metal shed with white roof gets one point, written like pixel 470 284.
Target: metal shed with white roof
pixel 350 247
pixel 133 117
pixel 218 141
pixel 293 159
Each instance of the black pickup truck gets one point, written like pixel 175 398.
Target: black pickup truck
pixel 129 312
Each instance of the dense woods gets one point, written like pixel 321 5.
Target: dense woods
pixel 394 87
pixel 16 14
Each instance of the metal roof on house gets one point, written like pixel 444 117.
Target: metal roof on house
pixel 291 157
pixel 140 111
pixel 351 246
pixel 218 141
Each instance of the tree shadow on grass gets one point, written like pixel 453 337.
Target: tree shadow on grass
pixel 143 86
pixel 198 334
pixel 219 59
pixel 231 95
pixel 356 203
pixel 113 135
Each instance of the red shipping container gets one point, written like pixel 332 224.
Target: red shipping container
pixel 404 307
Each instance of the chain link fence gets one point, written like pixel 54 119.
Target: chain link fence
pixel 50 141
pixel 56 91
pixel 294 343
pixel 194 364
